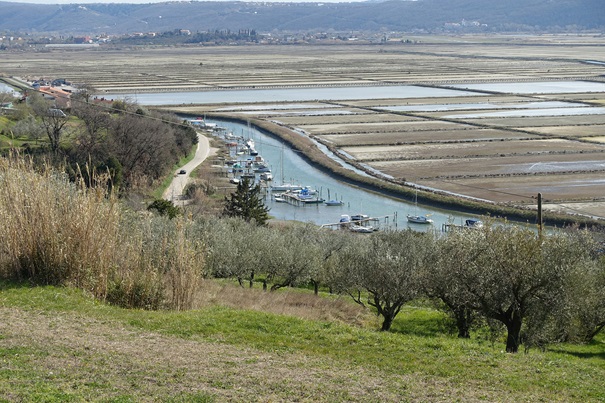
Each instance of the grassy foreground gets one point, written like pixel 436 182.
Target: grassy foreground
pixel 56 344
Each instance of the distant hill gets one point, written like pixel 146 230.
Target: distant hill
pixel 394 15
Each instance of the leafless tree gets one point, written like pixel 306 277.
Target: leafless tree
pixel 144 146
pixel 53 119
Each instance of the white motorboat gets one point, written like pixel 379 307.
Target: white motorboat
pixel 473 223
pixel 334 203
pixel 419 219
pixel 361 229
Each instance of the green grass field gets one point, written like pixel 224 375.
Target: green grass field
pixel 57 344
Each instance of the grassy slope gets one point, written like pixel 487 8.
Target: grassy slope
pixel 58 345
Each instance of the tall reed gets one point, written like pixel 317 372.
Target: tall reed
pixel 54 231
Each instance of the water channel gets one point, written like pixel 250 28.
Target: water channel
pixel 295 169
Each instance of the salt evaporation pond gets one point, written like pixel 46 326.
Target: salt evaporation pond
pixel 324 112
pixel 274 107
pixel 290 95
pixel 546 87
pixel 532 113
pixel 454 107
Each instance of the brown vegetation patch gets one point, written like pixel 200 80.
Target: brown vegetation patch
pixel 474 149
pixel 538 121
pixel 367 117
pixel 449 136
pixel 372 127
pixel 568 131
pixel 522 188
pixel 290 302
pixel 510 166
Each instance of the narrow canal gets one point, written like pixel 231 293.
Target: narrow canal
pixel 289 167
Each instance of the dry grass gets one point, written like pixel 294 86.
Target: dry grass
pixel 567 131
pixel 103 361
pixel 56 231
pixel 59 232
pixel 289 302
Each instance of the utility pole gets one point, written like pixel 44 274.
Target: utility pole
pixel 540 215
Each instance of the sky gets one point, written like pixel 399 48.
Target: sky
pixel 161 1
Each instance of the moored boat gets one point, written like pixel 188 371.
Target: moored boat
pixel 334 203
pixel 266 176
pixel 360 217
pixel 361 229
pixel 473 223
pixel 284 187
pixel 419 219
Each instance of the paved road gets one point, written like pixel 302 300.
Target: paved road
pixel 174 192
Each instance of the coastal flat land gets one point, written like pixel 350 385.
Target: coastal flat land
pixel 530 116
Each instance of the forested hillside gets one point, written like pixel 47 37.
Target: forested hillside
pixel 422 15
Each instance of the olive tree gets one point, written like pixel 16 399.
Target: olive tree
pixel 383 270
pixel 292 257
pixel 590 303
pixel 442 280
pixel 28 127
pixel 236 248
pixel 327 244
pixel 580 313
pixel 510 274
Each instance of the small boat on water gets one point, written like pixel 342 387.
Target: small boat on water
pixel 473 223
pixel 361 229
pixel 284 187
pixel 266 176
pixel 334 203
pixel 419 219
pixel 360 217
pixel 261 168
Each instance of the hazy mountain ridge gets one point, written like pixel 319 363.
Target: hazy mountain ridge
pixel 396 15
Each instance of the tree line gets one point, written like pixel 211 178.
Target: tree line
pixel 539 289
pixel 136 146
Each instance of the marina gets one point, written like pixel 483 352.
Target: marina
pixel 291 173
